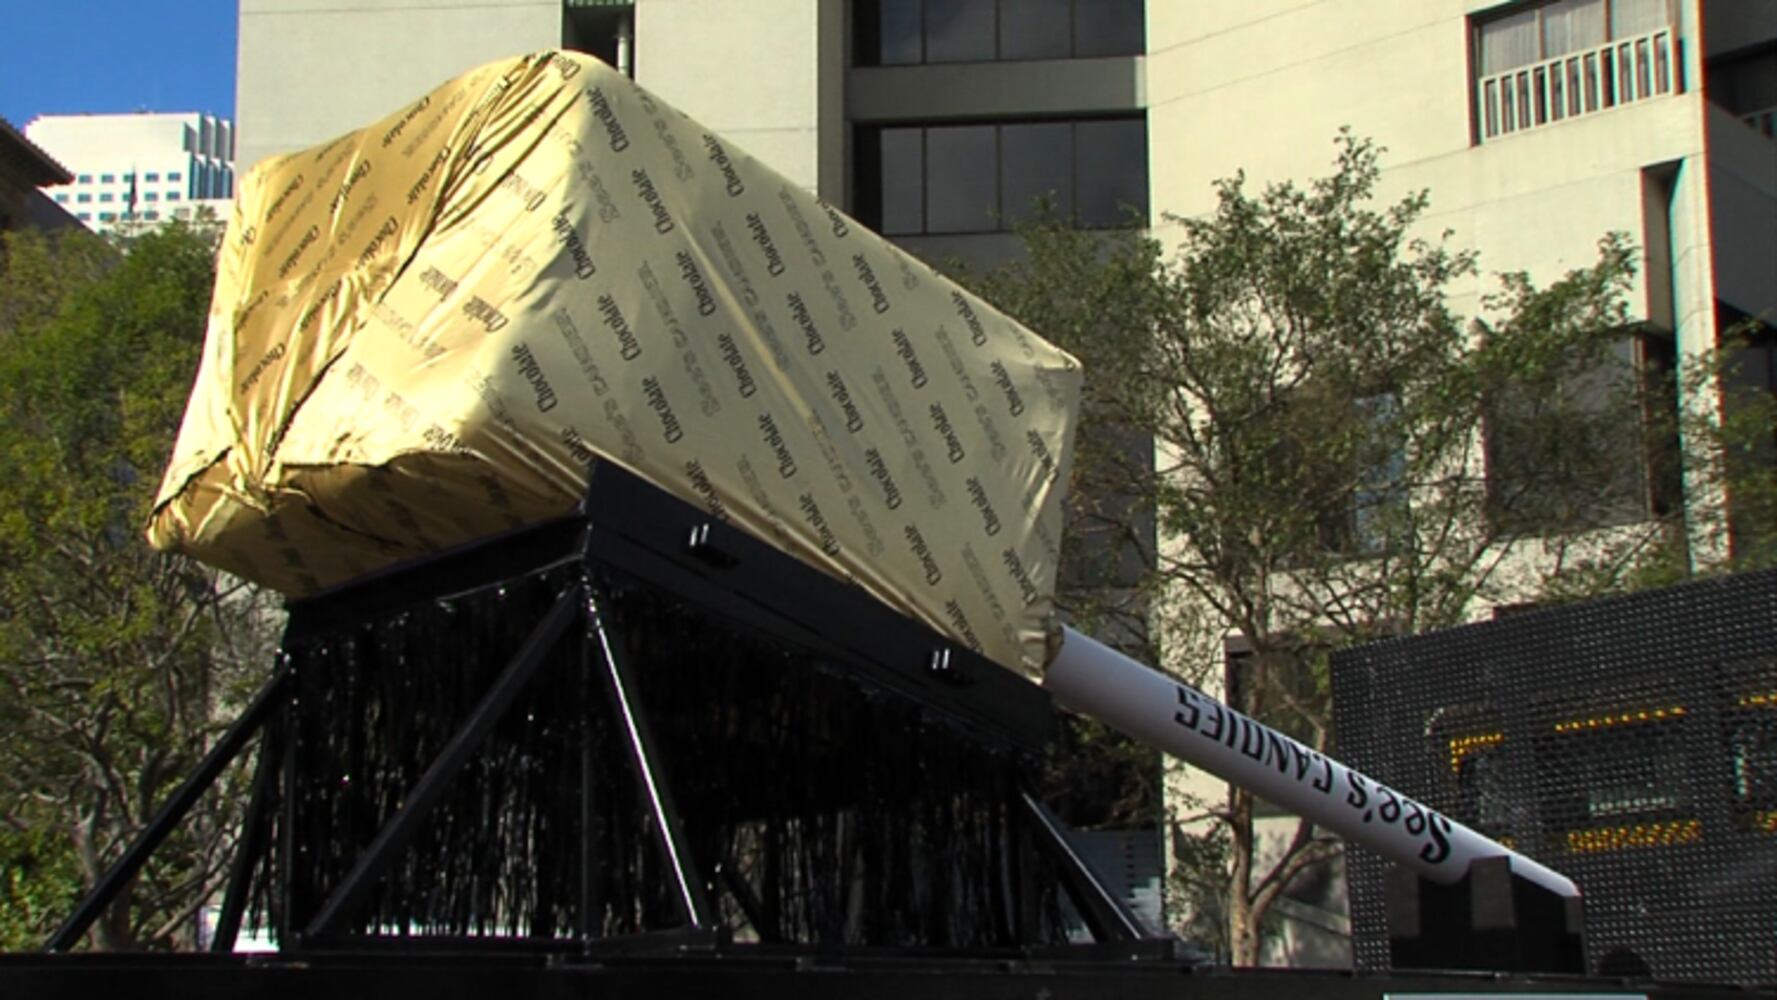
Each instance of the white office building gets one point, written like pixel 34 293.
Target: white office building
pixel 144 168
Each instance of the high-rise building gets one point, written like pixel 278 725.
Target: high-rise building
pixel 1537 125
pixel 139 168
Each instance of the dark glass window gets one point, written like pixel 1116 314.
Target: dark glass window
pixel 974 178
pixel 897 32
pixel 1108 28
pixel 1036 163
pixel 1112 168
pixel 903 190
pixel 959 30
pixel 909 32
pixel 1586 447
pixel 959 192
pixel 1038 29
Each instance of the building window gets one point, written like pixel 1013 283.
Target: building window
pixel 172 196
pixel 84 216
pixel 1746 84
pixel 932 179
pixel 61 199
pixel 151 216
pixel 151 196
pixel 173 177
pixel 107 178
pixel 1552 61
pixel 85 179
pixel 151 177
pixel 105 196
pixel 911 32
pixel 1343 457
pixel 83 197
pixel 107 216
pixel 1593 448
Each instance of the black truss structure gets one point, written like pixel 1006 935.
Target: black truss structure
pixel 633 729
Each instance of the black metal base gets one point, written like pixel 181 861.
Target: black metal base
pixel 762 973
pixel 1491 920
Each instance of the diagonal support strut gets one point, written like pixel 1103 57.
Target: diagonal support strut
pixel 255 827
pixel 694 902
pixel 270 697
pixel 1106 916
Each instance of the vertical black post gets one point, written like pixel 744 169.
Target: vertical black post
pixel 591 832
pixel 254 828
pixel 693 897
pixel 288 895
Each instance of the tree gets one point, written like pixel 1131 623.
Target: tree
pixel 117 663
pixel 1336 456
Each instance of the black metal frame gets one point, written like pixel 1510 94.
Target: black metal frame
pixel 628 526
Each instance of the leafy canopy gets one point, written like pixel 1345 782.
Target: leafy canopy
pixel 117 663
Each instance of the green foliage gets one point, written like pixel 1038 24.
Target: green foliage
pixel 39 886
pixel 1337 456
pixel 116 662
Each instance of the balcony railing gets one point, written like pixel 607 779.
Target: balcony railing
pixel 1579 83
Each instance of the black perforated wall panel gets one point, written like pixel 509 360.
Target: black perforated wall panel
pixel 1629 743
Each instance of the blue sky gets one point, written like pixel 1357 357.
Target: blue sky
pixel 154 55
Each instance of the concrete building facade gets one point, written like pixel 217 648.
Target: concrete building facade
pixel 1537 125
pixel 143 168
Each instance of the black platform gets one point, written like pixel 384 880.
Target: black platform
pixel 753 973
